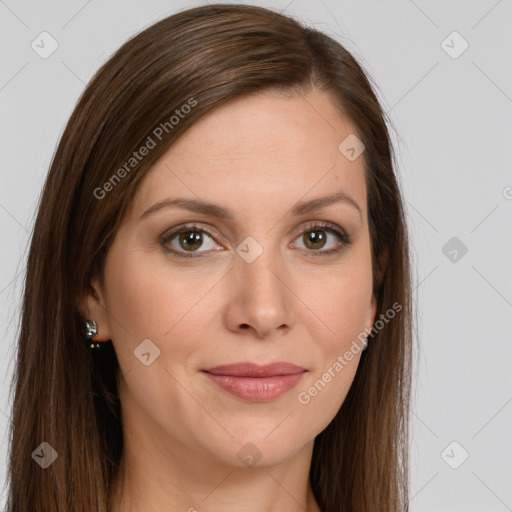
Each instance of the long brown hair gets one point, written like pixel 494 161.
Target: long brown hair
pixel 67 397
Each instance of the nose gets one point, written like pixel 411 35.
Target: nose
pixel 260 299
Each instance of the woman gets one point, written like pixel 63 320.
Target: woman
pixel 217 310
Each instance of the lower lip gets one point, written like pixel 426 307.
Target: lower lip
pixel 261 389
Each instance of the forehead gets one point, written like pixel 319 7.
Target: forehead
pixel 256 150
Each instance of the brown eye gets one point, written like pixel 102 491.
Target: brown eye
pixel 187 240
pixel 315 239
pixel 190 240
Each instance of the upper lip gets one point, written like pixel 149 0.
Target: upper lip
pixel 255 370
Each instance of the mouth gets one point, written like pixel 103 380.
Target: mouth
pixel 255 370
pixel 256 383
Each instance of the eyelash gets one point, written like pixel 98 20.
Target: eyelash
pixel 326 226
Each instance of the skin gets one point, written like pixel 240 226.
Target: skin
pixel 258 155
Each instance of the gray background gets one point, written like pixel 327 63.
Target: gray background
pixel 452 116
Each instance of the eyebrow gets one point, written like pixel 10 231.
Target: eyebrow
pixel 221 212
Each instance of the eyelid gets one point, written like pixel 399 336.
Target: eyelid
pixel 343 237
pixel 319 224
pixel 189 226
pixel 210 230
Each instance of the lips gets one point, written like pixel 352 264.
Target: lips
pixel 255 371
pixel 255 383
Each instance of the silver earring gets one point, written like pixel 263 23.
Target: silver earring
pixel 90 331
pixel 365 344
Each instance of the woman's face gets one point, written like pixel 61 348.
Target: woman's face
pixel 266 283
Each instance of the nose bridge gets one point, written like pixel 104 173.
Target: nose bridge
pixel 257 264
pixel 260 279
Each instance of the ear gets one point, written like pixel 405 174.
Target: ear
pixel 91 306
pixel 372 312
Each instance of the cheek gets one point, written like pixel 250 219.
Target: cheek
pixel 145 295
pixel 342 299
pixel 344 310
pixel 152 298
pixel 156 302
pixel 324 392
